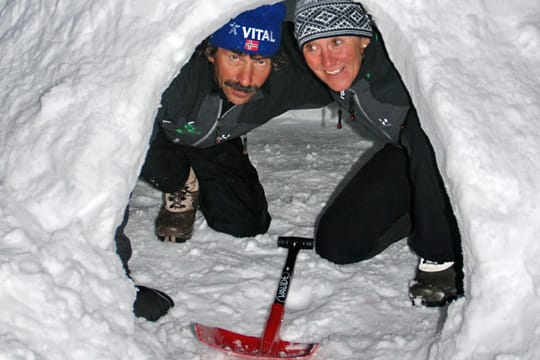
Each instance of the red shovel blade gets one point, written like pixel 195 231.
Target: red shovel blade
pixel 249 346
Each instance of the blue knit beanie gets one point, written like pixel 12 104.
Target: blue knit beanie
pixel 254 32
pixel 316 19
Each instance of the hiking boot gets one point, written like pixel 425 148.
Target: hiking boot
pixel 434 284
pixel 177 214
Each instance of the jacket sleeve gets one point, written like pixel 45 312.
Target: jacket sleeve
pixel 294 86
pixel 178 117
pixel 177 98
pixel 305 89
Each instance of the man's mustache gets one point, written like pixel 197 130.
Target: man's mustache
pixel 237 86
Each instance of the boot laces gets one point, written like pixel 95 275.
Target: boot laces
pixel 175 201
pixel 184 199
pixel 179 201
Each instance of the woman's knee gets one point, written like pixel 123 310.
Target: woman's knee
pixel 342 247
pixel 345 242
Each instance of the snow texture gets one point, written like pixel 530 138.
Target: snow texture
pixel 80 83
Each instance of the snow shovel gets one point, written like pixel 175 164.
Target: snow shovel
pixel 269 345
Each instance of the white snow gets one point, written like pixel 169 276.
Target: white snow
pixel 80 82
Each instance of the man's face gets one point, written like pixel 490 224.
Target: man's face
pixel 336 60
pixel 239 75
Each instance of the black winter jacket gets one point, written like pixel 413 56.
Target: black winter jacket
pixel 191 107
pixel 377 100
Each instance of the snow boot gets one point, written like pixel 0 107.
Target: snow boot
pixel 151 304
pixel 434 284
pixel 177 214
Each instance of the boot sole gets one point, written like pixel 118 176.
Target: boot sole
pixel 173 239
pixel 431 304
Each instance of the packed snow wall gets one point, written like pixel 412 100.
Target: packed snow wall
pixel 80 85
pixel 471 70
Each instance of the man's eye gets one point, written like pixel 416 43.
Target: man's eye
pixel 310 48
pixel 234 57
pixel 338 42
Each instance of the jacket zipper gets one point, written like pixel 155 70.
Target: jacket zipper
pixel 218 121
pixel 216 126
pixel 357 101
pixel 213 128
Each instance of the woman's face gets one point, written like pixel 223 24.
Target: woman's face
pixel 336 60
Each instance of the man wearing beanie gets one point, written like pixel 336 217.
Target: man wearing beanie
pixel 237 79
pixel 398 192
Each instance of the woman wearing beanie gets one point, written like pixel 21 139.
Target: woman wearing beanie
pixel 398 192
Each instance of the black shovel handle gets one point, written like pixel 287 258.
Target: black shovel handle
pixel 294 244
pixel 270 336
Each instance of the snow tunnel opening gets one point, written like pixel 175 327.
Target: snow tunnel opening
pixel 288 16
pixel 199 48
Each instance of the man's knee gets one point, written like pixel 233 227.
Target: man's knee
pixel 241 226
pixel 165 169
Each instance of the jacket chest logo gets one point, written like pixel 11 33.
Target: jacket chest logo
pixel 384 122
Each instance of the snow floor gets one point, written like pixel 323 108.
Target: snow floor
pixel 229 282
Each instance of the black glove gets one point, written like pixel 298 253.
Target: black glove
pixel 151 304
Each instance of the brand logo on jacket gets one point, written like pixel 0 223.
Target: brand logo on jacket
pixel 222 138
pixel 384 122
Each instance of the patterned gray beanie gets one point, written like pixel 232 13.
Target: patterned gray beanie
pixel 315 19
